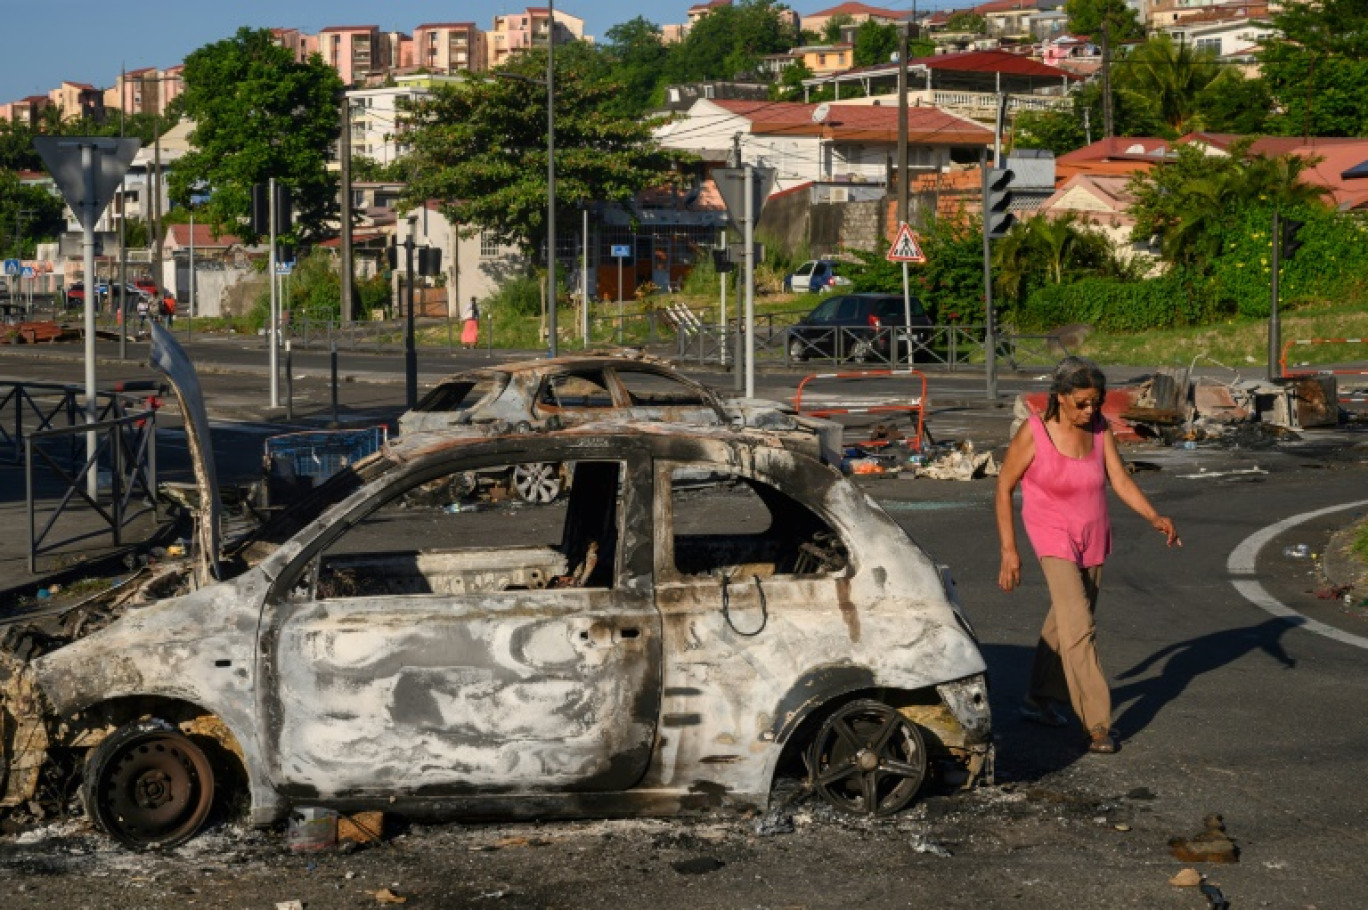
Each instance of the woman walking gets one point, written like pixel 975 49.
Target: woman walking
pixel 1064 462
pixel 470 332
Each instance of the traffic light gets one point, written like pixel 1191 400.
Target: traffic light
pixel 1290 244
pixel 722 263
pixel 430 260
pixel 997 220
pixel 261 209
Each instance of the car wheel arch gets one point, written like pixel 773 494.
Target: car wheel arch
pixel 207 728
pixel 800 717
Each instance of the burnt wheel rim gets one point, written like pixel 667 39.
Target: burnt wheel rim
pixel 157 790
pixel 537 483
pixel 867 759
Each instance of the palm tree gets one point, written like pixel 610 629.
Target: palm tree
pixel 1167 78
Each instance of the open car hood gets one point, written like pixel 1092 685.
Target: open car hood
pixel 169 358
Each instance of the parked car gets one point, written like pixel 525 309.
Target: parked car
pixel 647 646
pixel 816 276
pixel 859 327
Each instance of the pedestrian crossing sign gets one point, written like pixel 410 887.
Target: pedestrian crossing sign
pixel 906 247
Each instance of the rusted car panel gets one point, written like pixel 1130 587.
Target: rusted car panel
pixel 564 391
pixel 167 357
pixel 448 681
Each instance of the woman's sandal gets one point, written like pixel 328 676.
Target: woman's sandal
pixel 1046 715
pixel 1102 743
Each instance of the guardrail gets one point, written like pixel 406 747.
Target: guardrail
pixel 125 441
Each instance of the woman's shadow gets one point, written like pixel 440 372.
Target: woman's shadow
pixel 1028 752
pixel 1184 661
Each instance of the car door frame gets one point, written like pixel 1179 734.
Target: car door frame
pixel 604 617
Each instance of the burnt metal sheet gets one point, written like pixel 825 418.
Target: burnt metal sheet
pixel 167 357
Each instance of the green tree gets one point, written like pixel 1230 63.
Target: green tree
pixel 1060 132
pixel 1317 68
pixel 1166 78
pixel 790 86
pixel 1086 18
pixel 729 41
pixel 1232 103
pixel 31 211
pixel 831 31
pixel 479 147
pixel 258 114
pixel 967 21
pixel 16 148
pixel 875 43
pixel 636 58
pixel 1043 251
pixel 1190 202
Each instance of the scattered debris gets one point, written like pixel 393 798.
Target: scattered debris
pixel 386 896
pixel 1212 845
pixel 1215 899
pixel 289 905
pixel 1297 551
pixel 311 829
pixel 1187 878
pixel 360 827
pixel 960 463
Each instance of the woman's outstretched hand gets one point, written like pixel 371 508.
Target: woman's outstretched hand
pixel 1009 575
pixel 1164 525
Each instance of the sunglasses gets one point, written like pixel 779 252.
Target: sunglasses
pixel 1087 404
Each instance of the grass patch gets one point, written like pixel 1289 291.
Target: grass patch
pixel 1361 542
pixel 1239 343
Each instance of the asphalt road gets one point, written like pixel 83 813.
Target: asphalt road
pixel 1222 707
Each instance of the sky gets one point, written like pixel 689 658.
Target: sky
pixel 90 40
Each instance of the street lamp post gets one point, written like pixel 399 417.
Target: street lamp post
pixel 551 176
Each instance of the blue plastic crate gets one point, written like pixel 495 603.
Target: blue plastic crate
pixel 320 454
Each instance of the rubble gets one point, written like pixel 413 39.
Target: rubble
pixel 1212 845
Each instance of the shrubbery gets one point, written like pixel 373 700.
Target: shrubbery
pixel 1121 306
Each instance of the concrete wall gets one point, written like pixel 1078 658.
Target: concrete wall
pixel 826 228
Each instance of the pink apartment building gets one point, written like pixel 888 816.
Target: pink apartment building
pixel 528 29
pixel 449 47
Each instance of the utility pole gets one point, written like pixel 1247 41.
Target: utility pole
pixel 902 125
pixel 154 220
pixel 410 344
pixel 989 329
pixel 123 235
pixel 550 179
pixel 1106 82
pixel 344 153
pixel 274 329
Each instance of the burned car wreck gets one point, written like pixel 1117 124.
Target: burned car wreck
pixel 708 608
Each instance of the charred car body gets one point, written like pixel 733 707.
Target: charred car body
pixel 648 645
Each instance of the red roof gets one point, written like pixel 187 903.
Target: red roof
pixel 350 28
pixel 444 25
pixel 993 61
pixel 875 123
pixel 1004 6
pixel 1119 148
pixel 856 9
pixel 179 235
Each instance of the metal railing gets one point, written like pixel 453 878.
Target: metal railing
pixel 126 443
pixel 947 346
pixel 32 407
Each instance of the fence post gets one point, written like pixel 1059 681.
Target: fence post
pixel 28 496
pixel 115 474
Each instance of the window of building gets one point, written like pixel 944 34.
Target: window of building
pixel 489 246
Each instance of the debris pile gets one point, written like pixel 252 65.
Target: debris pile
pixel 1176 408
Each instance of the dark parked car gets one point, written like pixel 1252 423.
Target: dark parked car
pixel 859 327
pixel 816 276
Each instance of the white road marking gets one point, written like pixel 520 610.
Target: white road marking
pixel 1242 562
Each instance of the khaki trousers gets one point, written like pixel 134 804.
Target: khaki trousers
pixel 1066 664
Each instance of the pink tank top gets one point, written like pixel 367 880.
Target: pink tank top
pixel 1064 500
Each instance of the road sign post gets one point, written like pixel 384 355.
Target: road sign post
pixel 906 248
pixel 744 191
pixel 620 252
pixel 88 169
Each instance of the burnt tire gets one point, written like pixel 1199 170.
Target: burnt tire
pixel 148 786
pixel 867 759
